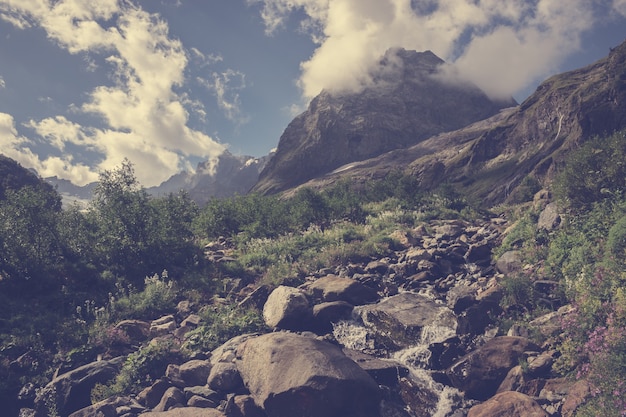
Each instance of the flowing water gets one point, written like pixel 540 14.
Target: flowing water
pixel 354 335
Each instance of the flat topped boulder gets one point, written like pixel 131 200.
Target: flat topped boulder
pixel 334 288
pixel 402 317
pixel 292 375
pixel 508 404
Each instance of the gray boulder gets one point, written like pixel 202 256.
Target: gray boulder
pixel 71 391
pixel 292 375
pixel 287 308
pixel 334 288
pixel 186 412
pixel 398 321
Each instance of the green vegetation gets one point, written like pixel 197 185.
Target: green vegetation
pixel 68 276
pixel 587 256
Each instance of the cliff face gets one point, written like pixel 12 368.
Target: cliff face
pixel 408 103
pixel 488 160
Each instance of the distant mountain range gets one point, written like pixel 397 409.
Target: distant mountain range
pixel 232 175
pixel 414 119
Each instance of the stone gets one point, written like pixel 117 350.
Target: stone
pixel 244 406
pixel 172 373
pixel 549 218
pixel 293 375
pixel 162 326
pixel 287 308
pixel 195 372
pixel 334 288
pixel 200 402
pixel 384 372
pixel 224 377
pixel 110 407
pixel 172 398
pixel 186 412
pixel 508 404
pixel 204 392
pixel 509 262
pixel 398 321
pixel 137 330
pixel 479 253
pixel 325 314
pixel 71 391
pixel 151 395
pixel 480 372
pixel 578 394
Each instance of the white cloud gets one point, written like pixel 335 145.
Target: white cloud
pixel 520 40
pixel 226 86
pixel 2 83
pixel 620 6
pixel 144 119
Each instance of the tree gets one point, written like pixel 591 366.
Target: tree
pixel 30 245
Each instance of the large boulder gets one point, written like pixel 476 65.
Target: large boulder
pixel 287 308
pixel 334 288
pixel 72 391
pixel 480 373
pixel 292 375
pixel 186 412
pixel 398 321
pixel 508 404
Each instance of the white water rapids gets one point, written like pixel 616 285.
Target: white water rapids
pixel 354 335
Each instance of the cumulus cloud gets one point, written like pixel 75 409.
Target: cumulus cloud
pixel 2 83
pixel 226 86
pixel 142 117
pixel 521 40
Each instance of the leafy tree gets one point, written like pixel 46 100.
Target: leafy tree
pixel 28 236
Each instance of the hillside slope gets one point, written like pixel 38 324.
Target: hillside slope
pixel 408 103
pixel 492 160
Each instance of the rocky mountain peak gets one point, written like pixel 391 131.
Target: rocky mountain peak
pixel 406 102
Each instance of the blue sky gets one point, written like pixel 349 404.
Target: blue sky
pixel 169 83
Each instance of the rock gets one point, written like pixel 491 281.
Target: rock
pixel 384 372
pixel 195 372
pixel 190 323
pixel 551 324
pixel 418 398
pixel 71 391
pixel 204 392
pixel 541 364
pixel 172 398
pixel 151 395
pixel 287 308
pixel 224 377
pixel 325 314
pixel 509 262
pixel 398 320
pixel 479 253
pixel 334 288
pixel 172 373
pixel 549 218
pixel 162 326
pixel 513 380
pixel 137 330
pixel 110 407
pixel 460 297
pixel 292 375
pixel 508 404
pixel 257 298
pixel 578 394
pixel 244 406
pixel 480 372
pixel 200 402
pixel 186 412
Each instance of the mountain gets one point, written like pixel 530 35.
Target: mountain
pixel 229 175
pixel 71 192
pixel 494 159
pixel 409 101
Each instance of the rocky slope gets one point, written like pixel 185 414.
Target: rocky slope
pixel 411 334
pixel 490 159
pixel 408 103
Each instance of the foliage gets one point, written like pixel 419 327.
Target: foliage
pixel 140 369
pixel 594 172
pixel 221 323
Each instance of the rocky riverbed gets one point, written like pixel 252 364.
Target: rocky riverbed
pixel 413 334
